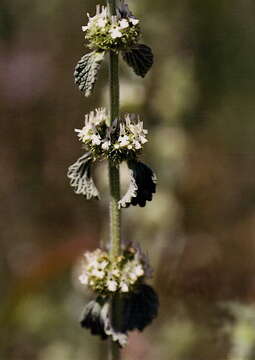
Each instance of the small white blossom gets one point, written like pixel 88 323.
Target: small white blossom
pixel 105 275
pixel 123 287
pixel 89 133
pixel 84 133
pixel 83 278
pixel 99 116
pixel 123 23
pixel 139 270
pixel 106 144
pixel 116 272
pixel 102 265
pixel 143 139
pixel 112 285
pixel 133 21
pixel 101 22
pixel 92 257
pixel 123 140
pixel 137 145
pixel 133 276
pixel 115 33
pixel 96 139
pixel 98 273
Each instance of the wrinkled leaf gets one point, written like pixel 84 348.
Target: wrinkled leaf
pixel 91 318
pixel 79 174
pixel 116 334
pixel 86 71
pixel 139 58
pixel 139 308
pixel 142 185
pixel 96 318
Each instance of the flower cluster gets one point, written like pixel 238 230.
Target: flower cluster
pixel 122 274
pixel 119 142
pixel 105 32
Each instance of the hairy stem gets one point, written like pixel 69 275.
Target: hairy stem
pixel 113 170
pixel 114 181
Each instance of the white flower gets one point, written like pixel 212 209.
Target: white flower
pixel 123 23
pixel 143 139
pixel 115 33
pixel 84 28
pixel 133 21
pixel 137 145
pixel 116 146
pixel 101 22
pixel 99 116
pixel 83 278
pixel 84 133
pixel 132 276
pixel 96 139
pixel 98 273
pixel 122 129
pixel 116 272
pixel 123 287
pixel 102 265
pixel 138 270
pixel 123 140
pixel 112 285
pixel 106 144
pixel 92 258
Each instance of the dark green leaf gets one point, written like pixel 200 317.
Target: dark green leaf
pixel 91 318
pixel 142 185
pixel 79 174
pixel 138 309
pixel 86 71
pixel 96 317
pixel 139 58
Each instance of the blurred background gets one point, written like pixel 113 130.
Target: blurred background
pixel 199 231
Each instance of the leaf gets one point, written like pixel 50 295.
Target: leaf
pixel 91 318
pixel 96 317
pixel 142 185
pixel 86 71
pixel 139 58
pixel 116 334
pixel 79 174
pixel 139 308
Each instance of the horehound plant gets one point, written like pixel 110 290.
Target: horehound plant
pixel 123 301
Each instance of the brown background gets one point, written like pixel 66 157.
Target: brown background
pixel 198 104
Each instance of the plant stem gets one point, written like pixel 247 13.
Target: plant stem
pixel 114 181
pixel 113 170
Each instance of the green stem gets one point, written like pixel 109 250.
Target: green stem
pixel 113 170
pixel 114 181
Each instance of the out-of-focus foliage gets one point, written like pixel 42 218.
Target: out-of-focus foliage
pixel 198 103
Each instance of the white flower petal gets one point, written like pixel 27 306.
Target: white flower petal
pixel 112 285
pixel 83 278
pixel 123 23
pixel 115 33
pixel 133 21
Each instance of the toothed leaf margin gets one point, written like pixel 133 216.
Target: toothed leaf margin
pixel 142 185
pixel 139 58
pixel 79 174
pixel 86 71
